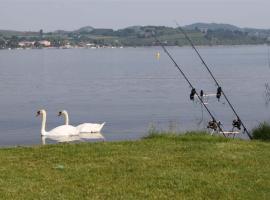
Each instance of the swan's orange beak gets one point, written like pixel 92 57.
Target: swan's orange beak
pixel 38 113
pixel 59 114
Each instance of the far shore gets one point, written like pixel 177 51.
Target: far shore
pixel 122 47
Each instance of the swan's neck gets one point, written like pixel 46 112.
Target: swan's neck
pixel 66 118
pixel 43 124
pixel 43 139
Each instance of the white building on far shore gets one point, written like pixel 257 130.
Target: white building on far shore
pixel 26 44
pixel 45 43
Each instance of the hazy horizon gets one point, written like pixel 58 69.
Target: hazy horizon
pixel 51 15
pixel 37 30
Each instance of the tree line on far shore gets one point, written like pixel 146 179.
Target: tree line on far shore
pixel 136 36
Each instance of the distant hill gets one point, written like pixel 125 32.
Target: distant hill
pixel 61 32
pixel 9 33
pixel 134 28
pixel 212 26
pixel 85 29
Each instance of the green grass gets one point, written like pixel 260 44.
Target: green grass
pixel 193 166
pixel 262 132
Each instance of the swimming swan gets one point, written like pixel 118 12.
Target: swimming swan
pixel 83 128
pixel 60 130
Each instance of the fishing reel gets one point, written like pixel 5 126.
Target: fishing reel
pixel 192 94
pixel 237 123
pixel 201 93
pixel 219 92
pixel 214 125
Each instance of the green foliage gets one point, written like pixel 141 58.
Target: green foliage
pixel 13 42
pixel 262 132
pixel 37 45
pixel 2 43
pixel 223 36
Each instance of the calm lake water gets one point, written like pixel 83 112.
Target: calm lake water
pixel 127 88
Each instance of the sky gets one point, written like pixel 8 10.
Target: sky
pixel 50 15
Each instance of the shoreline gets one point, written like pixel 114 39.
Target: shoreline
pixel 125 47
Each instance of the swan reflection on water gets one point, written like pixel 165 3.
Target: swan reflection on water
pixel 83 137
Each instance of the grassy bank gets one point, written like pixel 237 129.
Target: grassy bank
pixel 159 167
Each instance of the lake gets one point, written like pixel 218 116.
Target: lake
pixel 129 89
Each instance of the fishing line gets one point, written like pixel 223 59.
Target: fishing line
pixel 268 54
pixel 202 116
pixel 267 94
pixel 213 77
pixel 266 85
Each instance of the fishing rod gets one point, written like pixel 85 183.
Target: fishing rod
pixel 237 122
pixel 268 54
pixel 214 122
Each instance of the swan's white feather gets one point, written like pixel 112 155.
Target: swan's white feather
pixel 90 127
pixel 63 130
pixel 91 136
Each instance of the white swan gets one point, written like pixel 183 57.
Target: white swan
pixel 60 130
pixel 83 128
